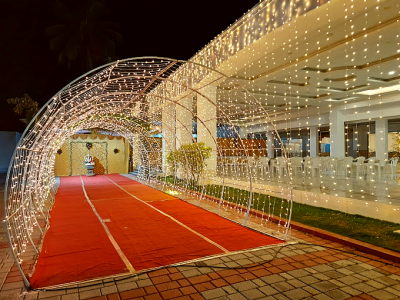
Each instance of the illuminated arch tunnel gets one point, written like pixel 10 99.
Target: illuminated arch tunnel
pixel 153 103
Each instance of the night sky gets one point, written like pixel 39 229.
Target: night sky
pixel 175 29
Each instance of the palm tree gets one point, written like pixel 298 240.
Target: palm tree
pixel 84 36
pixel 25 106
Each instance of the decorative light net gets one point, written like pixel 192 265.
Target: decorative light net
pixel 184 122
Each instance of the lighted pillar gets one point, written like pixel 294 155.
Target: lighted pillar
pixel 381 139
pixel 168 133
pixel 207 132
pixel 337 134
pixel 314 141
pixel 184 119
pixel 270 144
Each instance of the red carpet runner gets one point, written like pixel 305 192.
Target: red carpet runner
pixel 76 246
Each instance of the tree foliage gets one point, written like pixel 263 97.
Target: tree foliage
pixel 25 106
pixel 190 159
pixel 85 34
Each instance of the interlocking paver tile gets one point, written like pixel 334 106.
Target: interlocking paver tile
pixel 109 290
pixel 32 296
pixel 280 297
pixel 396 287
pixel 321 276
pixel 261 273
pixel 232 264
pixel 219 282
pixel 375 284
pixel 256 259
pixel 296 283
pixel 245 285
pixel 324 286
pixel 349 280
pixel 152 297
pixel 215 293
pixel 311 290
pixel 345 271
pixel 174 276
pixel 349 290
pixel 234 279
pixel 253 294
pixel 259 282
pixel 372 274
pixel 297 294
pixel 167 286
pixel 237 256
pixel 187 290
pixel 126 286
pixel 268 290
pixel 150 290
pixel 144 282
pixel 229 289
pixel 266 257
pixel 393 291
pixel 322 268
pixel 191 273
pixel 386 280
pixel 395 277
pixel 298 273
pixel 132 294
pixel 214 261
pixel 363 278
pixel 338 283
pixel 171 294
pixel 313 271
pixel 158 273
pixel 383 295
pixel 236 296
pixel 89 294
pixel 333 274
pixel 356 268
pixel 282 286
pixel 337 294
pixel 201 287
pixel 367 266
pixel 365 288
pixel 248 276
pixel 272 278
pixel 322 297
pixel 47 294
pixel 344 263
pixel 286 276
pixel 70 297
pixel 309 279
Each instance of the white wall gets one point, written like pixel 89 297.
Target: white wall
pixel 8 142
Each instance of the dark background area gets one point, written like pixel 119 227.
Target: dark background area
pixel 174 29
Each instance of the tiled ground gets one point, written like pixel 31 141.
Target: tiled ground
pixel 297 271
pixel 294 271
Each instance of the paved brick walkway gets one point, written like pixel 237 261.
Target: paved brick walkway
pixel 294 271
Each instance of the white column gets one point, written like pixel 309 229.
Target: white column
pixel 207 132
pixel 168 133
pixel 381 139
pixel 184 119
pixel 314 141
pixel 337 133
pixel 270 144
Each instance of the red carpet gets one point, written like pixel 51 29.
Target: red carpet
pixel 76 247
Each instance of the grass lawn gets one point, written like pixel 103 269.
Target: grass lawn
pixel 369 230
